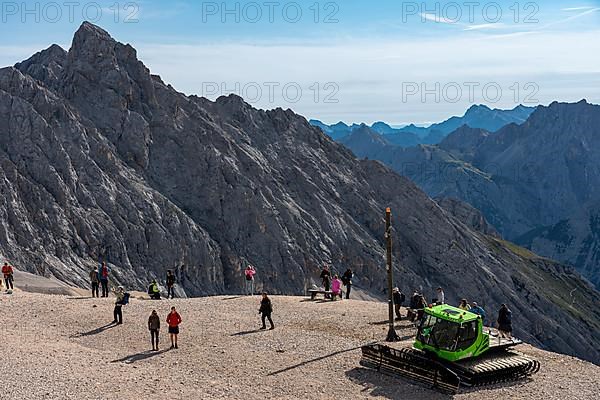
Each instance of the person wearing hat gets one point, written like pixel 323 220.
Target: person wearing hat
pixel 118 313
pixel 398 298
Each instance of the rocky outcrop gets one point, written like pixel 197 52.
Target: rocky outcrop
pixel 104 160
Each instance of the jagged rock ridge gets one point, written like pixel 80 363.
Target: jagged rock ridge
pixel 103 159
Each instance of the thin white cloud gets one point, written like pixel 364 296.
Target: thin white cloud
pixel 437 18
pixel 479 27
pixel 577 8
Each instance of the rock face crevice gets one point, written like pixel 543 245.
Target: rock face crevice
pixel 103 160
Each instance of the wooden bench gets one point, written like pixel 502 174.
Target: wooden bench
pixel 325 293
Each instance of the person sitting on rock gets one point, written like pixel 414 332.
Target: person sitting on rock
pixel 154 291
pixel 266 309
pixel 464 305
pixel 504 322
pixel 336 287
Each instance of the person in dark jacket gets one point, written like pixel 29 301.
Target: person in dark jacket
pixel 414 304
pixel 347 281
pixel 398 301
pixel 170 285
pixel 118 312
pixel 505 322
pixel 154 328
pixel 95 282
pixel 421 305
pixel 266 309
pixel 326 278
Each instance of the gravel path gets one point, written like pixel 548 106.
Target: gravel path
pixel 59 350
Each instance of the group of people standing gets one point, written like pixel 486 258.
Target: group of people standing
pixel 99 278
pixel 173 321
pixel 418 303
pixel 335 284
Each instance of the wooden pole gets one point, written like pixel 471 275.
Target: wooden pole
pixel 392 336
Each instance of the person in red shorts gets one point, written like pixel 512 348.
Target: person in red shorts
pixel 173 319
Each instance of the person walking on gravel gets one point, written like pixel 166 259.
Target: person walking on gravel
pixel 170 285
pixel 103 277
pixel 398 301
pixel 119 302
pixel 249 273
pixel 266 309
pixel 173 319
pixel 7 271
pixel 95 282
pixel 154 328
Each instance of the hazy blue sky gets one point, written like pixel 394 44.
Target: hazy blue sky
pixel 352 60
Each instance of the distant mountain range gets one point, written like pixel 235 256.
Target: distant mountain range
pixel 101 160
pixel 537 183
pixel 477 116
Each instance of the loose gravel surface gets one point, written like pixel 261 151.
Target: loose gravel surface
pixel 60 347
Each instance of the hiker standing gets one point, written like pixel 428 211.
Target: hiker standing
pixel 154 328
pixel 336 287
pixel 249 272
pixel 173 319
pixel 326 279
pixel 413 306
pixel 170 284
pixel 347 281
pixel 266 309
pixel 95 282
pixel 7 271
pixel 505 322
pixel 476 309
pixel 103 277
pixel 422 304
pixel 119 302
pixel 398 301
pixel 441 297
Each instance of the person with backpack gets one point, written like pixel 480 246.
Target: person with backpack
pixel 398 301
pixel 504 322
pixel 122 299
pixel 154 291
pixel 413 306
pixel 103 277
pixel 476 309
pixel 7 271
pixel 154 328
pixel 347 281
pixel 95 282
pixel 170 284
pixel 326 279
pixel 249 273
pixel 173 319
pixel 266 309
